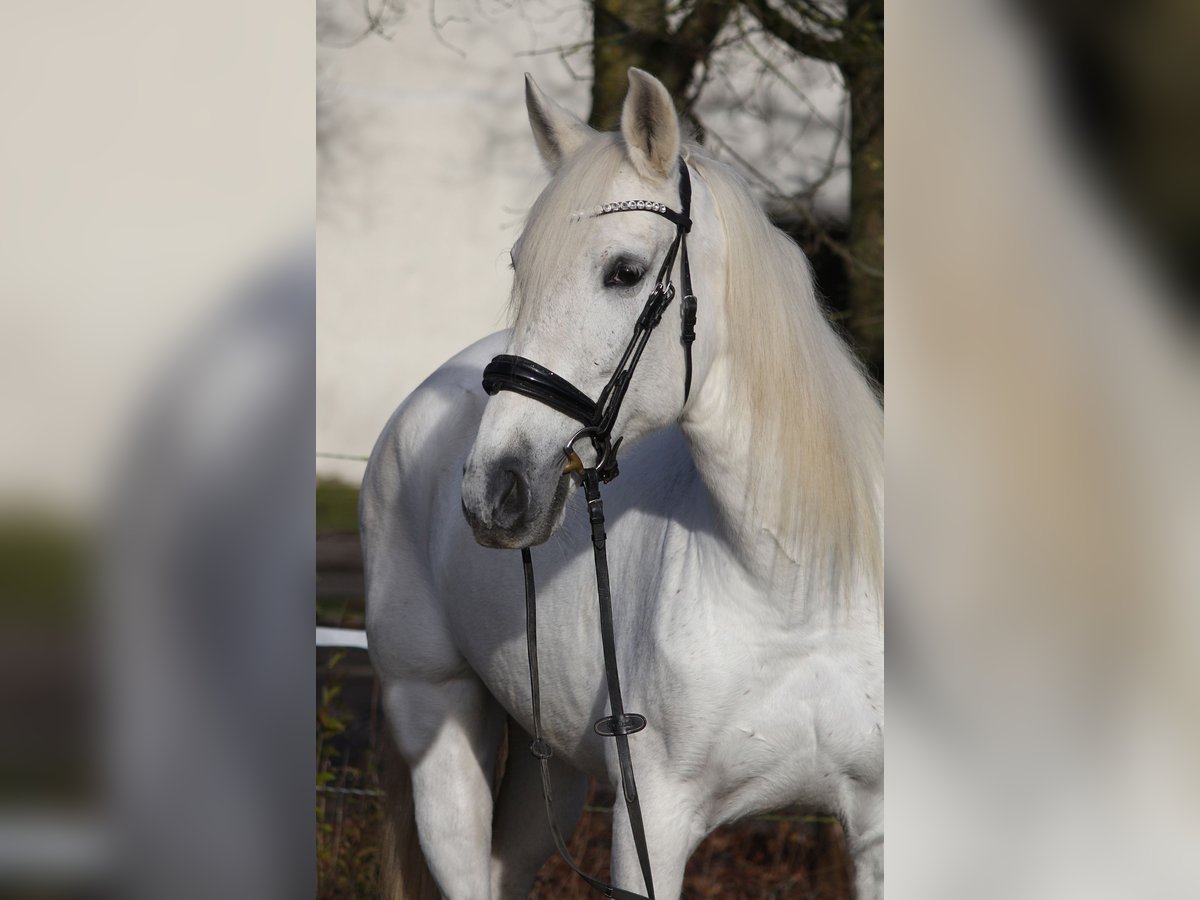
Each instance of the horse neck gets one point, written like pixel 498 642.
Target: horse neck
pixel 783 427
pixel 750 499
pixel 716 426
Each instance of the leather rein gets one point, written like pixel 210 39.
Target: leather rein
pixel 524 376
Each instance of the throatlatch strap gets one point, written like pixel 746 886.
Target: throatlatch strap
pixel 687 311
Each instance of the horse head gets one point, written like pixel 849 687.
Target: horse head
pixel 583 282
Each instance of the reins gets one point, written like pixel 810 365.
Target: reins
pixel 524 376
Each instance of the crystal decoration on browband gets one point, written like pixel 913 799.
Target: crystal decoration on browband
pixel 631 204
pixel 623 206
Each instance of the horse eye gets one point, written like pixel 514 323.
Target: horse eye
pixel 624 274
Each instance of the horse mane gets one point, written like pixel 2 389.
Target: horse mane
pixel 816 423
pixel 816 426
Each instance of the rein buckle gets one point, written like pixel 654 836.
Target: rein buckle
pixel 611 726
pixel 689 318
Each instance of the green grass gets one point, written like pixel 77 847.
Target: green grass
pixel 337 506
pixel 43 569
pixel 339 603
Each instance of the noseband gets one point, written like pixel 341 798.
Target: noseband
pixel 524 376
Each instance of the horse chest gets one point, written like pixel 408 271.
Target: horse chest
pixel 740 704
pixel 757 715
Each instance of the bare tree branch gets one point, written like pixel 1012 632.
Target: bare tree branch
pixel 799 39
pixel 699 29
pixel 377 23
pixel 438 25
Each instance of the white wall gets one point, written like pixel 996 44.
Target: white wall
pixel 426 168
pixel 134 199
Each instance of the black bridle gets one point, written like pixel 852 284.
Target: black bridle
pixel 524 376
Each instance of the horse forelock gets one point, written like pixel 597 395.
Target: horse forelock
pixel 557 228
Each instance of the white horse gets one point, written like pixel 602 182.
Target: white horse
pixel 744 536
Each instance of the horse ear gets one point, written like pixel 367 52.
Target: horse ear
pixel 650 126
pixel 557 132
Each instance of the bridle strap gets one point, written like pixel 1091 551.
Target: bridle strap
pixel 619 725
pixel 528 378
pixel 688 303
pixel 688 312
pixel 524 376
pixel 541 749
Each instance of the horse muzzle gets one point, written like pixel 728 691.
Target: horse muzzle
pixel 508 506
pixel 496 502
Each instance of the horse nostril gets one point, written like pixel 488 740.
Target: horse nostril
pixel 508 478
pixel 513 493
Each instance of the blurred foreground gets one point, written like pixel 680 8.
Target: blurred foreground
pixel 1042 400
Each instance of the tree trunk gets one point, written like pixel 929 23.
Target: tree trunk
pixel 625 33
pixel 636 33
pixel 864 83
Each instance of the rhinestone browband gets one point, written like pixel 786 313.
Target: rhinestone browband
pixel 630 204
pixel 624 206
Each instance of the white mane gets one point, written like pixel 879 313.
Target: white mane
pixel 816 426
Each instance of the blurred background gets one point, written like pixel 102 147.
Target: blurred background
pixel 165 399
pixel 156 469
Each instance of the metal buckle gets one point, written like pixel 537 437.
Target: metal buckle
pixel 602 446
pixel 611 726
